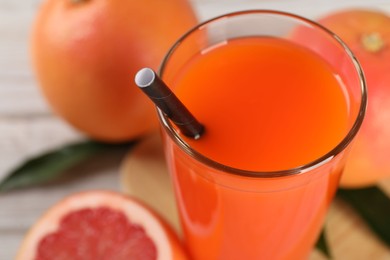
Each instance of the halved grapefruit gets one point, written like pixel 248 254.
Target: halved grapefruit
pixel 100 225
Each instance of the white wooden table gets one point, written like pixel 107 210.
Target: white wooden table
pixel 27 127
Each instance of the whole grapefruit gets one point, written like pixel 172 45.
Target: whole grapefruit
pixel 367 33
pixel 86 52
pixel 100 225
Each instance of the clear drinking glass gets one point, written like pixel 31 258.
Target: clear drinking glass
pixel 230 212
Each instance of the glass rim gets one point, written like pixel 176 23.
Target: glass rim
pixel 166 124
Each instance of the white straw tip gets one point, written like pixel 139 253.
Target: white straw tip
pixel 144 77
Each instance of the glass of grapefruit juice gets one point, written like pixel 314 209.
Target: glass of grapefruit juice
pixel 281 99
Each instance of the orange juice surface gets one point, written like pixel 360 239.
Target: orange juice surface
pixel 267 105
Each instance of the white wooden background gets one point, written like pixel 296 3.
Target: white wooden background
pixel 27 127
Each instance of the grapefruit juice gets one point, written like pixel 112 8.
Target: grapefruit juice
pixel 267 104
pixel 258 182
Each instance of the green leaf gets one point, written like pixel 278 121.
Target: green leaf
pixel 50 165
pixel 373 205
pixel 322 244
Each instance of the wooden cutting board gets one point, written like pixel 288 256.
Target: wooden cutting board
pixel 145 176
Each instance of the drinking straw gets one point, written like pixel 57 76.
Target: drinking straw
pixel 153 86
